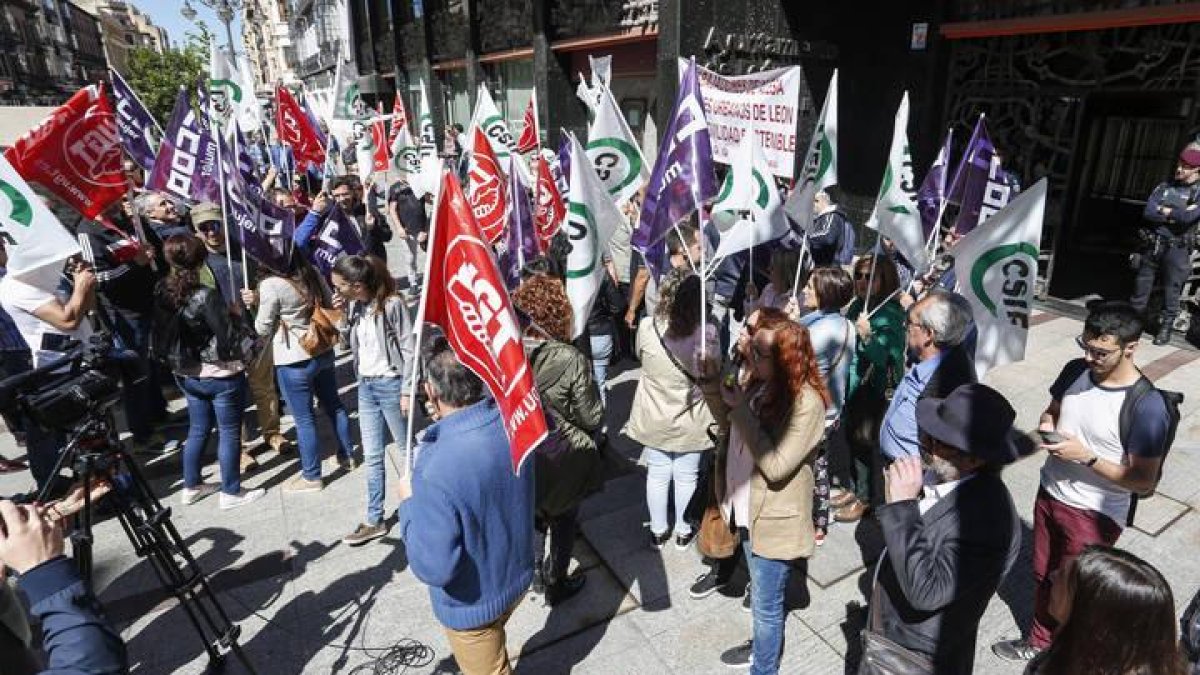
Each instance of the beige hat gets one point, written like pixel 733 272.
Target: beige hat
pixel 205 212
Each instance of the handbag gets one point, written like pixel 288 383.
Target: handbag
pixel 881 656
pixel 322 332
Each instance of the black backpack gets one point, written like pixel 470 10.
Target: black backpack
pixel 1143 387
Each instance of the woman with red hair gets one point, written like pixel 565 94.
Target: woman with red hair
pixel 777 411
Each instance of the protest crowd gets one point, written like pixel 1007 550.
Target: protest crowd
pixel 792 377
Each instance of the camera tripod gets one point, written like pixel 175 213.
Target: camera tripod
pixel 94 453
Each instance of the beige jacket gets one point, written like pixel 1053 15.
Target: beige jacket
pixel 668 412
pixel 781 492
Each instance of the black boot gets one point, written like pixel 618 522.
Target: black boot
pixel 565 588
pixel 1164 332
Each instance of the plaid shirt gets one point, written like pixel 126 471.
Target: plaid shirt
pixel 10 337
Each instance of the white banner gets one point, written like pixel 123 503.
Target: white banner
pixel 766 104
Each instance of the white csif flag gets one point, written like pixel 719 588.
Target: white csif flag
pixel 749 187
pixel 997 267
pixel 36 242
pixel 896 215
pixel 230 93
pixel 819 170
pixel 488 118
pixel 592 217
pixel 427 179
pixel 614 152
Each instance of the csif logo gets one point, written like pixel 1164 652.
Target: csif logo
pixel 1009 269
pixel 617 163
pixel 20 211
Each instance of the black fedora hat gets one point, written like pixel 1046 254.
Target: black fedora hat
pixel 977 420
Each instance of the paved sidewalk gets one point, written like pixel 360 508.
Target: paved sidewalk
pixel 308 604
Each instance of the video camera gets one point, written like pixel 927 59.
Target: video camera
pixel 64 394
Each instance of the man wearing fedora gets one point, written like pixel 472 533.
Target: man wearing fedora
pixel 951 530
pixel 1168 238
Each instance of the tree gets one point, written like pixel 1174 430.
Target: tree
pixel 157 77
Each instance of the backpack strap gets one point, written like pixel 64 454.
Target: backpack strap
pixel 1171 401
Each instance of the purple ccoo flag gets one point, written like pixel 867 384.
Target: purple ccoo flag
pixel 683 177
pixel 520 241
pixel 265 229
pixel 186 166
pixel 931 196
pixel 978 187
pixel 139 131
pixel 335 235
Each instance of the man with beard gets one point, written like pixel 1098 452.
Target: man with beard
pixel 951 531
pixel 1094 464
pixel 934 331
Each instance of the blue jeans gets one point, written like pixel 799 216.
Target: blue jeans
pixel 378 403
pixel 222 399
pixel 769 579
pixel 298 382
pixel 602 349
pixel 662 468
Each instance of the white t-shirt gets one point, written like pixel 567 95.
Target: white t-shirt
pixel 21 300
pixel 372 354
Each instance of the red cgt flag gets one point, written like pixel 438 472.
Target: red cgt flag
pixel 465 295
pixel 75 153
pixel 486 188
pixel 549 212
pixel 529 135
pixel 379 136
pixel 399 119
pixel 296 130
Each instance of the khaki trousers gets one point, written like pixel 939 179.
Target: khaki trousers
pixel 481 651
pixel 261 376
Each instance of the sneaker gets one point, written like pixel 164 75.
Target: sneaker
pixel 190 496
pixel 242 498
pixel 298 484
pixel 706 584
pixel 747 599
pixel 1015 650
pixel 741 656
pixel 659 540
pixel 682 541
pixel 364 533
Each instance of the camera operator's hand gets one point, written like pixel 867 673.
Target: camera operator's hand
pixel 27 537
pixel 85 277
pixel 73 502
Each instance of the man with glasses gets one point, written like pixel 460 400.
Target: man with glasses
pixel 1090 474
pixel 160 214
pixel 1171 215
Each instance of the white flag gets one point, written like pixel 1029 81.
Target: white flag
pixel 997 268
pixel 749 187
pixel 224 89
pixel 592 217
pixel 819 170
pixel 488 118
pixel 248 109
pixel 427 179
pixel 614 152
pixel 896 215
pixel 348 103
pixel 36 242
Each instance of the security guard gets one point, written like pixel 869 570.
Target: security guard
pixel 1168 238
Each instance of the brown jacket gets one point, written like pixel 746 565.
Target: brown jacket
pixel 781 493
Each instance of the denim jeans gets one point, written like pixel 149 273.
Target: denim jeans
pixel 219 399
pixel 299 382
pixel 662 468
pixel 602 349
pixel 769 579
pixel 378 403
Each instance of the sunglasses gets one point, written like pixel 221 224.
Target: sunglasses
pixel 862 276
pixel 208 226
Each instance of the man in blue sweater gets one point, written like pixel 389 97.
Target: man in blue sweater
pixel 76 638
pixel 466 520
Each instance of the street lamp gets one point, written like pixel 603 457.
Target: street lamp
pixel 225 10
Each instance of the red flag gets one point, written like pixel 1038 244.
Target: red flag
pixel 379 135
pixel 486 188
pixel 529 135
pixel 549 212
pixel 465 295
pixel 296 130
pixel 399 119
pixel 75 153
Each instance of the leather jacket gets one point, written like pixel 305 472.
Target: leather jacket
pixel 206 331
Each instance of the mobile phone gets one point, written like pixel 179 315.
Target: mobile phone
pixel 1051 437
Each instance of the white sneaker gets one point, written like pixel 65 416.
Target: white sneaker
pixel 241 499
pixel 190 496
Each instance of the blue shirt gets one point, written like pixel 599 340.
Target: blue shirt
pixel 898 436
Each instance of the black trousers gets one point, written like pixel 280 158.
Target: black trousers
pixel 1174 264
pixel 561 531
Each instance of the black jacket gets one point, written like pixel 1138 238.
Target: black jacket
pixel 202 331
pixel 825 238
pixel 121 281
pixel 941 569
pixel 373 237
pixel 608 307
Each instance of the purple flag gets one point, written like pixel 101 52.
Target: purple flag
pixel 264 229
pixel 336 235
pixel 520 241
pixel 139 131
pixel 186 166
pixel 683 177
pixel 247 168
pixel 563 177
pixel 932 193
pixel 978 187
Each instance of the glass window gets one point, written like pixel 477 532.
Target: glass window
pixel 511 84
pixel 454 91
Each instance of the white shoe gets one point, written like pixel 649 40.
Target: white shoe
pixel 190 496
pixel 241 499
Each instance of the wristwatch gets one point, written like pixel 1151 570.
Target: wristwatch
pixel 1092 461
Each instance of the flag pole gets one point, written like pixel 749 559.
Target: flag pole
pixel 800 265
pixel 418 330
pixel 878 250
pixel 537 182
pixel 241 237
pixel 224 205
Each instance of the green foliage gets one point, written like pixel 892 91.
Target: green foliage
pixel 157 77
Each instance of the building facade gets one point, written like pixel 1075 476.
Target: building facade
pixel 269 45
pixel 88 43
pixel 48 50
pixel 124 27
pixel 319 38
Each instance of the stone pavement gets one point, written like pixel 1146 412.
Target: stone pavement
pixel 308 604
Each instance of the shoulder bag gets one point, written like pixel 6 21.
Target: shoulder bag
pixel 322 332
pixel 881 656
